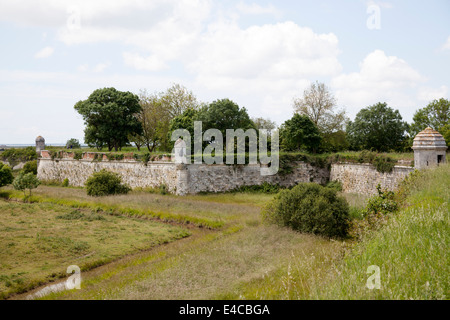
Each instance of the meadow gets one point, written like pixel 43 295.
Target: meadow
pixel 146 245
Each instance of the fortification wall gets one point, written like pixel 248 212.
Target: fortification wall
pixel 184 179
pixel 364 178
pixel 133 173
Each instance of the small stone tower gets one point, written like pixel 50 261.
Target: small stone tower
pixel 429 149
pixel 40 144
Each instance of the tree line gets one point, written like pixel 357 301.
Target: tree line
pixel 114 119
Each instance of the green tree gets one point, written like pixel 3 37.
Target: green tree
pixel 184 121
pixel 299 133
pixel 110 117
pixel 73 144
pixel 26 181
pixel 435 115
pixel 178 99
pixel 224 114
pixel 6 176
pixel 30 166
pixel 377 127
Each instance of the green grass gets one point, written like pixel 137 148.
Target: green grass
pixel 39 241
pixel 411 252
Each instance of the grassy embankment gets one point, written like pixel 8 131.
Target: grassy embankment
pixel 203 266
pixel 412 252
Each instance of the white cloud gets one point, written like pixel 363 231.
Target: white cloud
pixel 446 45
pixel 383 78
pixel 150 63
pixel 44 53
pixel 427 94
pixel 256 9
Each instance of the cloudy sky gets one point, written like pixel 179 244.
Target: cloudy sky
pixel 260 54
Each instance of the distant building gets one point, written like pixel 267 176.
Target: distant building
pixel 2 147
pixel 40 144
pixel 429 149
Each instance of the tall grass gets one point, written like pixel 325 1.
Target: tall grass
pixel 412 251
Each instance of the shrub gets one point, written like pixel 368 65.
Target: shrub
pixel 26 181
pixel 6 176
pixel 163 189
pixel 104 183
pixel 309 207
pixel 30 166
pixel 65 182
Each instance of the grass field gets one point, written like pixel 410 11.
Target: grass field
pixel 204 265
pixel 230 253
pixel 39 241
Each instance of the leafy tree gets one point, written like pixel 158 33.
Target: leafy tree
pixel 224 114
pixel 299 133
pixel 377 127
pixel 435 115
pixel 154 119
pixel 319 104
pixel 73 144
pixel 104 183
pixel 184 121
pixel 6 176
pixel 178 99
pixel 110 117
pixel 30 166
pixel 26 181
pixel 261 123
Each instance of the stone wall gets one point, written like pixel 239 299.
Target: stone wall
pixel 178 178
pixel 133 173
pixel 364 178
pixel 193 178
pixel 216 178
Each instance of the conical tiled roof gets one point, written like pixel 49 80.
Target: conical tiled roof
pixel 429 139
pixel 39 138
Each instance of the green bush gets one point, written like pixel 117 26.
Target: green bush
pixel 311 208
pixel 104 183
pixel 65 182
pixel 30 166
pixel 6 176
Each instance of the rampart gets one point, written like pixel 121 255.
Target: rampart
pixel 185 179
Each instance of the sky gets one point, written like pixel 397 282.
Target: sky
pixel 260 54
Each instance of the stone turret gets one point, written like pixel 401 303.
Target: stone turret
pixel 429 149
pixel 40 144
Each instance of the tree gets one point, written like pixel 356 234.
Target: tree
pixel 110 117
pixel 435 115
pixel 299 133
pixel 26 181
pixel 184 121
pixel 73 144
pixel 6 176
pixel 177 99
pixel 224 114
pixel 154 119
pixel 319 105
pixel 377 127
pixel 30 166
pixel 261 123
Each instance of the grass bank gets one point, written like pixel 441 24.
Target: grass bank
pixel 411 252
pixel 38 241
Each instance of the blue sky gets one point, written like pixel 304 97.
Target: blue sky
pixel 260 54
